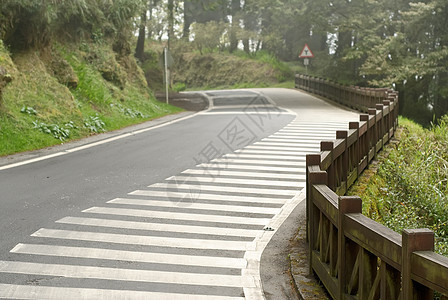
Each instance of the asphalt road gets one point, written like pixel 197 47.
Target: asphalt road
pixel 44 203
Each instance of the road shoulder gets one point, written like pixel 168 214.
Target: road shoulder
pixel 50 151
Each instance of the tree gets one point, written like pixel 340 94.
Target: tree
pixel 140 47
pixel 235 9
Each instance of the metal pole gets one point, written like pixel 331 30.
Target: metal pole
pixel 166 73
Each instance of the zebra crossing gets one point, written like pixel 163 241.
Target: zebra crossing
pixel 196 235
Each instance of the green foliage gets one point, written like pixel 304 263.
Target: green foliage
pixel 28 110
pixel 94 124
pixel 410 189
pixel 58 132
pixel 224 70
pixel 179 87
pixel 91 87
pixel 36 105
pixel 34 23
pixel 129 112
pixel 208 36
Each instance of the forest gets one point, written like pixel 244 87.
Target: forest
pixel 379 43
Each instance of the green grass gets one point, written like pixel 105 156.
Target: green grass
pixel 285 72
pixel 409 189
pixel 37 111
pixel 285 84
pixel 223 70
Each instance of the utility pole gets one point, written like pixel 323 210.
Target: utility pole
pixel 165 54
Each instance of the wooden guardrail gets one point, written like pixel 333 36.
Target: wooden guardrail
pixel 353 256
pixel 360 98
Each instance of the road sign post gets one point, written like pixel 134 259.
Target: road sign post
pixel 306 54
pixel 167 78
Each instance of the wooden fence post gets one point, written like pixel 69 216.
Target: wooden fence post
pixel 346 255
pixel 356 153
pixel 340 134
pixel 314 177
pixel 415 240
pixel 329 146
pixel 311 160
pixel 373 133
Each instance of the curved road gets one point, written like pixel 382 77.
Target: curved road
pixel 172 209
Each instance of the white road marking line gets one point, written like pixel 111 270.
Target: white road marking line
pixel 298 139
pixel 200 206
pixel 101 142
pixel 291 170
pixel 301 148
pixel 243 113
pixel 233 232
pixel 289 142
pixel 132 256
pixel 203 187
pixel 11 291
pixel 295 145
pixel 260 162
pixel 128 239
pixel 298 131
pixel 29 161
pixel 304 134
pixel 119 274
pixel 318 125
pixel 176 216
pixel 253 182
pixel 292 142
pixel 269 157
pixel 203 196
pixel 280 142
pixel 274 152
pixel 222 172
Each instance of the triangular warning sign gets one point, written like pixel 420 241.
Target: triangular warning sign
pixel 306 52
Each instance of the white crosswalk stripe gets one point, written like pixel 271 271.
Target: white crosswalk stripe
pixel 244 167
pixel 10 291
pixel 174 196
pixel 133 256
pixel 200 206
pixel 140 240
pixel 196 229
pixel 163 227
pixel 176 215
pixel 119 274
pixel 228 189
pixel 303 148
pixel 252 182
pixel 291 176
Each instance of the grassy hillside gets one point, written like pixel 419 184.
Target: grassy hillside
pixel 192 70
pixel 410 187
pixel 64 92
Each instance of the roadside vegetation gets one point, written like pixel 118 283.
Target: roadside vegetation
pixel 409 188
pixel 75 68
pixel 216 69
pixel 61 80
pixel 70 91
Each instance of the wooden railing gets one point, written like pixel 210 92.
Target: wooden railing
pixel 359 98
pixel 353 256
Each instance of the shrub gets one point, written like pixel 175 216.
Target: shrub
pixel 410 189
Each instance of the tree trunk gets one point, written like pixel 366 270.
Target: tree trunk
pixel 248 24
pixel 140 48
pixel 236 8
pixel 188 18
pixel 170 21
